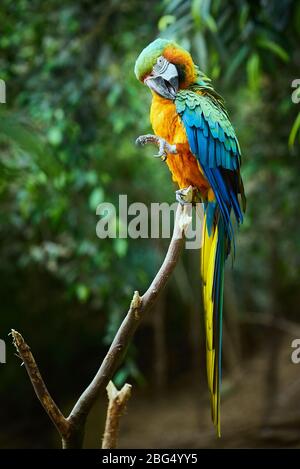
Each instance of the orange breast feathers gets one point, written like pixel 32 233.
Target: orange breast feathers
pixel 183 165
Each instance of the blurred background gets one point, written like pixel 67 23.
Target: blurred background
pixel 73 110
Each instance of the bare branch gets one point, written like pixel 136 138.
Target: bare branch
pixel 116 406
pixel 72 428
pixel 39 386
pixel 139 306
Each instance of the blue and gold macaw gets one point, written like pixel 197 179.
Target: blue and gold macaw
pixel 199 145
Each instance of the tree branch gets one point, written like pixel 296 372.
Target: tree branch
pixel 71 429
pixel 38 384
pixel 138 307
pixel 116 406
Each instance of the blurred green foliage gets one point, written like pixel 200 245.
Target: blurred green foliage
pixel 74 109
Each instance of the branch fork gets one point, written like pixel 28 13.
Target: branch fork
pixel 71 428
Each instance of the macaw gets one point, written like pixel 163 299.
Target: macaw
pixel 198 143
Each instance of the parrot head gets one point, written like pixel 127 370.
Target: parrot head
pixel 165 67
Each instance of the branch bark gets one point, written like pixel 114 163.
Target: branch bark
pixel 39 386
pixel 71 428
pixel 117 401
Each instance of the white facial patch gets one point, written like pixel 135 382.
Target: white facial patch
pixel 161 65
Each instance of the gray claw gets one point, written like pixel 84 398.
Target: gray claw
pixel 163 146
pixel 185 196
pixel 180 200
pixel 161 151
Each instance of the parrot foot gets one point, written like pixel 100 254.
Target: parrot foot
pixel 163 146
pixel 186 195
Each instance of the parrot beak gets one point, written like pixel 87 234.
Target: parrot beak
pixel 165 84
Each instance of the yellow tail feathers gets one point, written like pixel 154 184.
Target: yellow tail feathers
pixel 209 270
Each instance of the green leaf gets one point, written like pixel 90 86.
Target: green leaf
pixel 201 49
pixel 294 131
pixel 236 62
pixel 96 197
pixel 201 15
pixel 20 134
pixel 275 48
pixel 253 72
pixel 243 16
pixel 120 246
pixel 196 13
pixel 82 292
pixel 165 21
pixel 120 377
pixel 55 136
pixel 29 140
pixel 211 24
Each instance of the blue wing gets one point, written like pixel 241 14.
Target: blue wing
pixel 213 142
